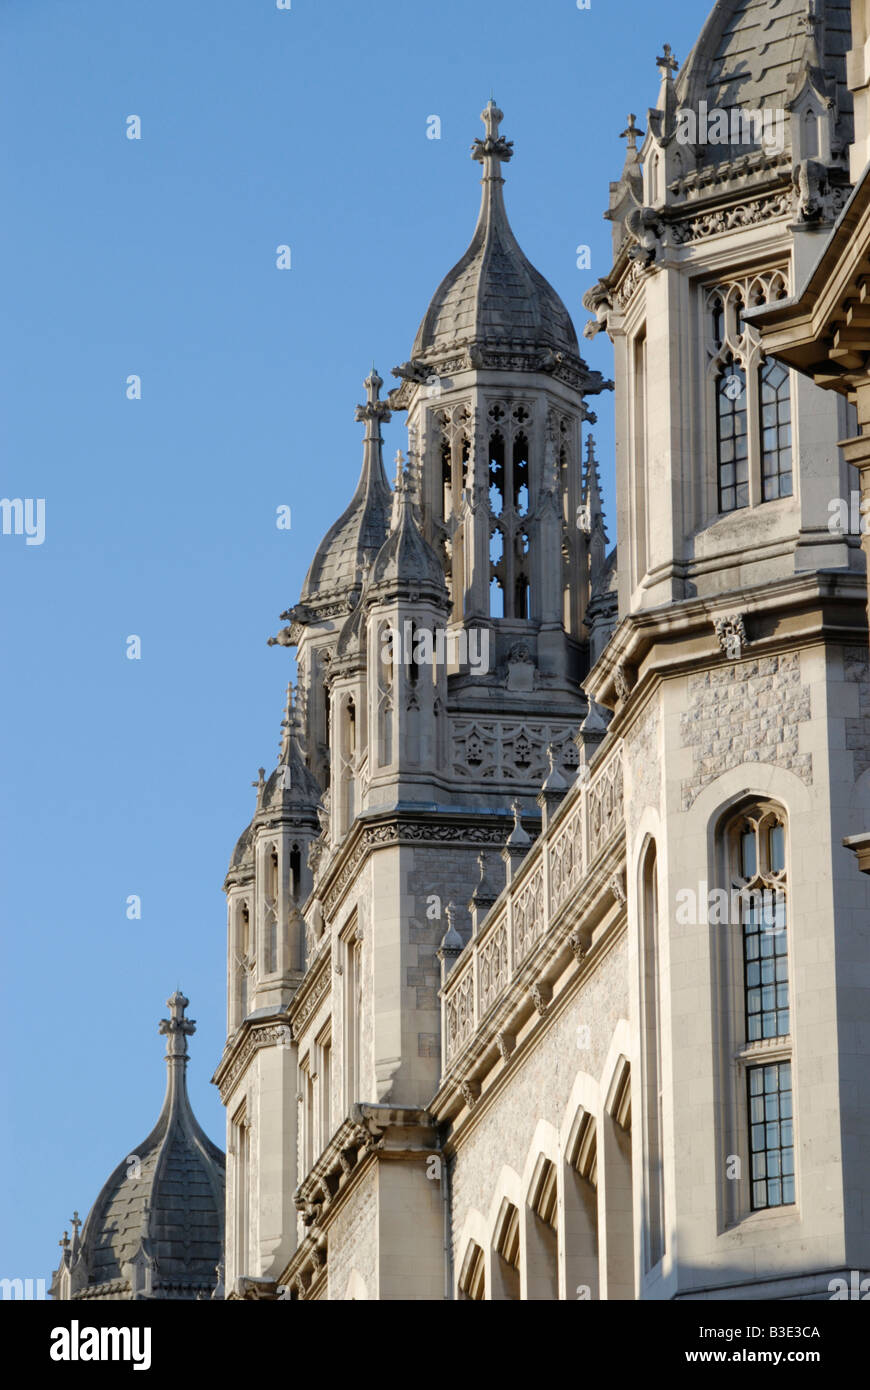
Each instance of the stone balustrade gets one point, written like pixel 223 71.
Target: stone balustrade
pixel 528 908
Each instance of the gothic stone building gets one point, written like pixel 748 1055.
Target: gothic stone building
pixel 547 964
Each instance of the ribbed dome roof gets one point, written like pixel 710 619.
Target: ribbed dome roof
pixel 753 55
pixel 494 296
pixel 156 1229
pixel 352 542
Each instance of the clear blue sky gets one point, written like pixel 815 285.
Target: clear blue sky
pixel 157 257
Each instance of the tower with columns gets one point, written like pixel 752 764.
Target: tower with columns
pixel 579 1013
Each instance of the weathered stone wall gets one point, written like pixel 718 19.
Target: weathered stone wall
pixel 353 1240
pixel 540 1088
pixel 645 768
pixel 855 669
pixel 747 711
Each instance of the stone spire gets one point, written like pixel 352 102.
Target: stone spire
pixel 593 506
pixel 350 544
pixel 405 554
pixel 292 783
pixel 667 98
pixel 156 1229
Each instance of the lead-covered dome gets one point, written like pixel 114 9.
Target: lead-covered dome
pixel 755 55
pixel 156 1230
pixel 351 543
pixel 494 297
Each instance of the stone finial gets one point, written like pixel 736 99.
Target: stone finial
pixel 494 150
pixel 451 944
pixel 590 735
pixel 177 1028
pixel 484 895
pixel 64 1244
pixel 518 838
pixel 667 63
pixel 631 134
pixel 400 483
pixel 518 843
pixel 374 411
pixel 554 786
pixel 260 784
pixel 287 725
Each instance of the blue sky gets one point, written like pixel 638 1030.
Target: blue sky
pixel 156 257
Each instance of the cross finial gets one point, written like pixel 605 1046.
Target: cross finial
pixel 400 469
pixel 494 150
pixel 177 1028
pixel 667 64
pixel 375 410
pixel 260 784
pixel 65 1242
pixel 75 1223
pixel 631 132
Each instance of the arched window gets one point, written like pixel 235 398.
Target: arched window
pixel 295 870
pixel 652 1060
pixel 732 448
pixel 506 1253
pixel 751 395
pixel 756 849
pixel 775 407
pixel 542 1246
pixel 472 1278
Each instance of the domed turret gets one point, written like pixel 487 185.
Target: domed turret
pixel 494 297
pixel 351 543
pixel 752 57
pixel 156 1229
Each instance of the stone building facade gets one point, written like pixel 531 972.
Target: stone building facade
pixel 547 964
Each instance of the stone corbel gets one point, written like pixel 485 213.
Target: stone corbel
pixel 579 943
pixel 623 679
pixel 542 994
pixel 616 884
pixel 505 1042
pixel 470 1091
pixel 731 632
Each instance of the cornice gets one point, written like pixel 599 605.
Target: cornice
pixel 269 1031
pixel 619 674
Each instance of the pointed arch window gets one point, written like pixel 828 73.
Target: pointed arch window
pixel 775 408
pixel 751 396
pixel 756 848
pixel 732 444
pixel 510 500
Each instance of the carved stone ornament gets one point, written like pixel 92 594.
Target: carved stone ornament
pixel 505 1042
pixel 470 1091
pixel 617 887
pixel 731 631
pixel 542 994
pixel 578 945
pixel 621 681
